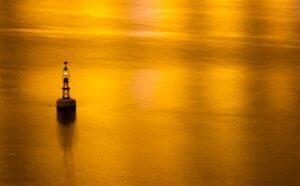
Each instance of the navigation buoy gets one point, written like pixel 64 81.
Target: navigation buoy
pixel 66 102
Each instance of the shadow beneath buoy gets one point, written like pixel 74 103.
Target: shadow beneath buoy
pixel 66 128
pixel 66 133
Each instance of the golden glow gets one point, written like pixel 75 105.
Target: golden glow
pixel 142 17
pixel 170 18
pixel 160 89
pixel 229 134
pixel 100 18
pixel 225 21
pixel 281 20
pixel 226 87
pixel 281 88
pixel 54 18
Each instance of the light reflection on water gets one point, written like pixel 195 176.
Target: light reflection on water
pixel 169 92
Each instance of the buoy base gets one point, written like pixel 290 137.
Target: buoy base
pixel 66 104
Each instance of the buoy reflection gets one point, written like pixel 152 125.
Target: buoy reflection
pixel 66 137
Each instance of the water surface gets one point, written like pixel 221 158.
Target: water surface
pixel 169 92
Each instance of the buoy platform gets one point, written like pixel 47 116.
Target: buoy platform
pixel 66 104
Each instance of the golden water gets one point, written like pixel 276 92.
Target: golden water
pixel 170 92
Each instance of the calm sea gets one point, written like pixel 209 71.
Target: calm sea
pixel 170 92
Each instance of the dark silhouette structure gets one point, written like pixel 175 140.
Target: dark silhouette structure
pixel 66 102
